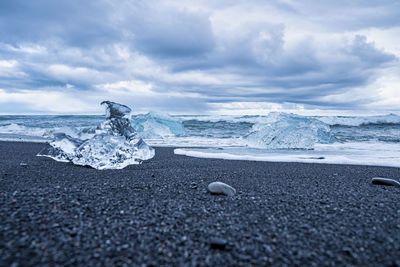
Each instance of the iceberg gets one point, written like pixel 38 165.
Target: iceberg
pixel 115 144
pixel 289 131
pixel 156 125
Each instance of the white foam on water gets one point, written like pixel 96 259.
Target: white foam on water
pixel 270 117
pixel 17 129
pixel 376 154
pixel 193 141
pixel 362 120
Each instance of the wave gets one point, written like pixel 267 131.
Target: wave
pixel 47 133
pixel 275 130
pixel 365 153
pixel 390 119
pixel 222 118
pixel 18 129
pixel 289 131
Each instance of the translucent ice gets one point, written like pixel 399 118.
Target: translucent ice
pixel 156 125
pixel 114 146
pixel 289 131
pixel 62 147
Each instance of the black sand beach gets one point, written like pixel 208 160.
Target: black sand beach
pixel 160 213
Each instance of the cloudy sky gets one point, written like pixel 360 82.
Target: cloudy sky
pixel 197 57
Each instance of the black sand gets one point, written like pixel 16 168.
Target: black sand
pixel 159 213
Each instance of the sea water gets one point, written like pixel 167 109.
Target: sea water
pixel 368 140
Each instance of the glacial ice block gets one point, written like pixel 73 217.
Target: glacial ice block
pixel 114 146
pixel 289 131
pixel 156 125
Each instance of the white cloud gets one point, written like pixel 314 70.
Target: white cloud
pixel 127 87
pixel 66 73
pixel 10 68
pixel 51 101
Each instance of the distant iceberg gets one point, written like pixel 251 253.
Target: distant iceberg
pixel 115 144
pixel 289 131
pixel 157 125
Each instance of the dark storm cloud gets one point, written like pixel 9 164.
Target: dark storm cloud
pixel 76 23
pixel 169 32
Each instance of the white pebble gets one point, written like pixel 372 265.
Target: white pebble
pixel 221 188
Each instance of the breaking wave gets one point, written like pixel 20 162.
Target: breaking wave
pixel 390 119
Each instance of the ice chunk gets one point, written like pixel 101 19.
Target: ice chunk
pixel 156 125
pixel 289 131
pixel 62 147
pixel 117 121
pixel 114 146
pixel 105 151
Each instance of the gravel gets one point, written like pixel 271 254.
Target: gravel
pixel 160 213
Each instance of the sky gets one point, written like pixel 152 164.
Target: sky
pixel 200 57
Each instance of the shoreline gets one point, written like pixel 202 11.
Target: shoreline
pixel 160 212
pixel 186 151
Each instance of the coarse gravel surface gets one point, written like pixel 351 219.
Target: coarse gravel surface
pixel 160 213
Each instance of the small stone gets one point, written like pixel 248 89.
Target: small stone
pixel 23 164
pixel 221 188
pixel 218 243
pixel 193 185
pixel 179 214
pixel 385 181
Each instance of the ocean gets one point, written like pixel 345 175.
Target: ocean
pixel 368 140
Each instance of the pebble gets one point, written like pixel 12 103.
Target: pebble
pixel 23 164
pixel 385 181
pixel 178 214
pixel 221 188
pixel 217 243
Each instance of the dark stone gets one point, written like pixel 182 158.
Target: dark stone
pixel 385 181
pixel 218 243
